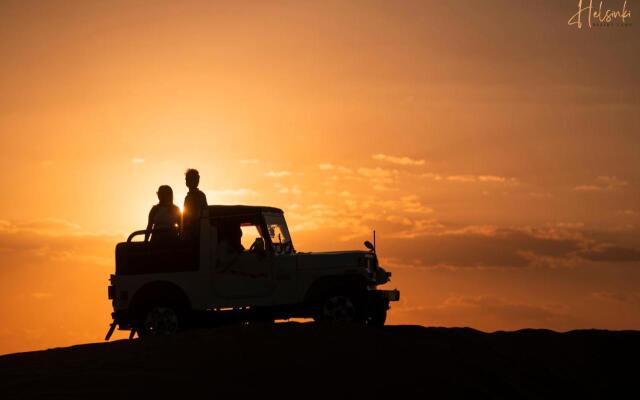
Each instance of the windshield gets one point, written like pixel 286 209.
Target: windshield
pixel 279 234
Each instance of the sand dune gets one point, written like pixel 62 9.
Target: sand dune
pixel 333 361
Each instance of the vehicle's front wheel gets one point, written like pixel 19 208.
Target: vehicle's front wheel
pixel 340 308
pixel 159 321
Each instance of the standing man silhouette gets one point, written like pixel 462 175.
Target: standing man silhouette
pixel 194 202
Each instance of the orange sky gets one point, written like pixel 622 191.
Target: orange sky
pixel 492 146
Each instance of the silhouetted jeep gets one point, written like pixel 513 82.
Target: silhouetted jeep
pixel 161 288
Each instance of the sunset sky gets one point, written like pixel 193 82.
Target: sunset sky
pixel 493 147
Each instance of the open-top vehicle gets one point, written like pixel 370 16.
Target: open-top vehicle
pixel 161 288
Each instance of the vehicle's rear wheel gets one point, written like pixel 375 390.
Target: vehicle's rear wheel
pixel 159 321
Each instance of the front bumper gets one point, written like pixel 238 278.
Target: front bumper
pixel 386 296
pixel 390 295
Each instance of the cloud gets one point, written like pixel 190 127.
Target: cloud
pixel 461 178
pixel 53 268
pixel 249 161
pixel 492 178
pixel 502 308
pixel 53 239
pixel 352 216
pixel 42 226
pixel 137 160
pixel 541 195
pixel 331 167
pixel 631 298
pixel 383 188
pixel 403 160
pixel 377 172
pixel 588 188
pixel 481 178
pixel 611 182
pixel 471 178
pixel 504 248
pixel 278 174
pixel 611 253
pixel 431 175
pixel 435 245
pixel 483 311
pixel 294 190
pixel 602 183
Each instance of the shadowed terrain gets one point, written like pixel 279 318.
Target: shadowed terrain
pixel 334 361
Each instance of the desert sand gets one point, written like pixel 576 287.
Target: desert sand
pixel 308 360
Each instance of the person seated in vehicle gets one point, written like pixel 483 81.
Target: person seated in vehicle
pixel 194 203
pixel 230 238
pixel 236 239
pixel 230 245
pixel 164 218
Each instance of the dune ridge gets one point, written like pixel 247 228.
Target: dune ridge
pixel 308 360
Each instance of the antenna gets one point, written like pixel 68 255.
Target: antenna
pixel 374 240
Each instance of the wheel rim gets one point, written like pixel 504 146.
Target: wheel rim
pixel 161 321
pixel 339 308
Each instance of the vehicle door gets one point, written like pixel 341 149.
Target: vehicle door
pixel 243 271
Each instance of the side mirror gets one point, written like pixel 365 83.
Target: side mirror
pixel 369 246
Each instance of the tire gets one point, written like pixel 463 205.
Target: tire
pixel 160 321
pixel 340 307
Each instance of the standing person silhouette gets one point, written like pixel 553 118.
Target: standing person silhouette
pixel 164 217
pixel 194 202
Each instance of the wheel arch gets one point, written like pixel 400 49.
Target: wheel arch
pixel 159 292
pixel 324 286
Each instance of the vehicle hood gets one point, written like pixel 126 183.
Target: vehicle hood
pixel 330 259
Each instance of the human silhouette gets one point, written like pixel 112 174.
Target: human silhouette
pixel 164 217
pixel 234 236
pixel 194 202
pixel 229 245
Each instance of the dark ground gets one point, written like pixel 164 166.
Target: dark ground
pixel 335 361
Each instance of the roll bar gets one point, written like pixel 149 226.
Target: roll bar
pixel 145 231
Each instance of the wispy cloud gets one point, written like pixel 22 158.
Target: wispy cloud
pixel 377 172
pixel 588 188
pixel 278 174
pixel 481 178
pixel 42 226
pixel 52 239
pixel 437 245
pixel 602 183
pixel 137 160
pixel 399 160
pixel 431 175
pixel 461 178
pixel 331 167
pixel 488 312
pixel 632 298
pixel 282 189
